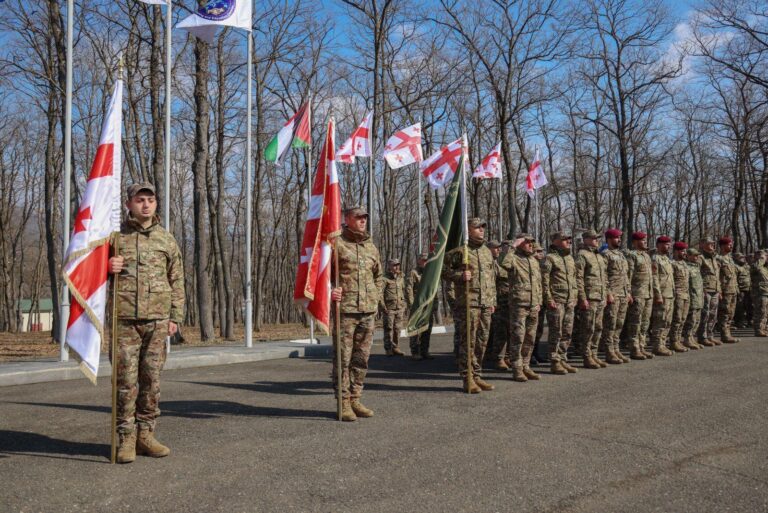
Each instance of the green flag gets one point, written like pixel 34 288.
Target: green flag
pixel 449 235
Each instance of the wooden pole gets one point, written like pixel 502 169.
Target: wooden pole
pixel 467 322
pixel 115 354
pixel 337 332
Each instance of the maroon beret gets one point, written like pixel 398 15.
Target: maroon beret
pixel 662 239
pixel 639 236
pixel 612 233
pixel 725 240
pixel 680 245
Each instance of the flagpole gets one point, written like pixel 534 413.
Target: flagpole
pixel 418 178
pixel 370 189
pixel 465 229
pixel 501 210
pixel 248 203
pixel 337 332
pixel 64 313
pixel 167 165
pixel 308 158
pixel 536 206
pixel 115 355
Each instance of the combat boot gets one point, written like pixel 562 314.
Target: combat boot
pixel 347 413
pixel 518 374
pixel 715 341
pixel 502 365
pixel 636 354
pixel 590 363
pixel 761 333
pixel 484 385
pixel 556 367
pixel 471 387
pixel 570 368
pixel 677 347
pixel 530 374
pixel 397 351
pixel 360 409
pixel 729 339
pixel 147 445
pixel 691 344
pixel 662 351
pixel 613 358
pixel 126 450
pixel 647 354
pixel 706 342
pixel 598 361
pixel 390 352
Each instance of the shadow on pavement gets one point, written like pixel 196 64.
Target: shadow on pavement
pixel 273 387
pixel 33 444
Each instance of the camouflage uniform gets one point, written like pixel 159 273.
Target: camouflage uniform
pixel 419 343
pixel 591 279
pixel 498 344
pixel 524 274
pixel 682 276
pixel 558 281
pixel 482 300
pixel 760 297
pixel 710 275
pixel 361 280
pixel 729 283
pixel 150 293
pixel 450 297
pixel 394 309
pixel 664 291
pixel 744 301
pixel 616 311
pixel 639 312
pixel 696 302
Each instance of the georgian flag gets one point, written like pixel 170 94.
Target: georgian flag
pixel 358 144
pixel 536 178
pixel 218 13
pixel 441 166
pixel 490 167
pixel 313 277
pixel 404 147
pixel 85 264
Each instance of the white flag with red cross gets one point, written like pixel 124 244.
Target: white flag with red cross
pixel 441 166
pixel 404 147
pixel 358 144
pixel 85 264
pixel 536 178
pixel 490 167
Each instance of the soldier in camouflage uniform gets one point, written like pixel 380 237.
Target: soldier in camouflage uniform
pixel 591 281
pixel 150 306
pixel 663 296
pixel 524 274
pixel 744 301
pixel 618 297
pixel 538 254
pixel 729 284
pixel 709 266
pixel 393 307
pixel 696 299
pixel 641 287
pixel 420 342
pixel 558 282
pixel 681 273
pixel 475 285
pixel 357 296
pixel 498 348
pixel 760 293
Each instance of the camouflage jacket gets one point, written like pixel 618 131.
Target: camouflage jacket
pixel 640 274
pixel 695 286
pixel 663 277
pixel 151 285
pixel 745 280
pixel 502 281
pixel 524 273
pixel 618 273
pixel 558 277
pixel 482 286
pixel 412 285
pixel 760 278
pixel 710 272
pixel 394 292
pixel 682 275
pixel 360 274
pixel 729 274
pixel 591 275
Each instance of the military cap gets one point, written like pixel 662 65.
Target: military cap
pixel 738 255
pixel 394 261
pixel 613 233
pixel 590 234
pixel 493 244
pixel 507 242
pixel 475 222
pixel 136 188
pixel 639 236
pixel 356 210
pixel 724 240
pixel 526 236
pixel 693 252
pixel 680 245
pixel 560 236
pixel 661 239
pixel 537 247
pixel 706 240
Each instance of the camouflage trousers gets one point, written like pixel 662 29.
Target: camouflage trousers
pixel 679 317
pixel 638 320
pixel 708 316
pixel 691 325
pixel 725 313
pixel 760 316
pixel 141 357
pixel 744 309
pixel 498 346
pixel 356 340
pixel 661 320
pixel 613 322
pixel 393 322
pixel 560 322
pixel 479 328
pixel 589 327
pixel 523 320
pixel 420 343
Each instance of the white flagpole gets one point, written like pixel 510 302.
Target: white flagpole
pixel 501 211
pixel 63 321
pixel 248 203
pixel 420 200
pixel 168 99
pixel 308 157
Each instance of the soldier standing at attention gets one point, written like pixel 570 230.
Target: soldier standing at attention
pixel 393 307
pixel 696 301
pixel 498 353
pixel 524 273
pixel 760 293
pixel 729 283
pixel 420 342
pixel 744 300
pixel 474 283
pixel 357 297
pixel 681 273
pixel 591 280
pixel 150 307
pixel 619 297
pixel 710 275
pixel 641 287
pixel 558 282
pixel 663 296
pixel 538 254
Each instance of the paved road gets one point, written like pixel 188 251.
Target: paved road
pixel 679 434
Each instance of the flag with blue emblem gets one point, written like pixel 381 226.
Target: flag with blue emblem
pixel 204 22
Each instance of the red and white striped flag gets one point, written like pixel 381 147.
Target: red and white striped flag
pixel 404 147
pixel 536 178
pixel 441 166
pixel 313 277
pixel 490 167
pixel 358 144
pixel 85 264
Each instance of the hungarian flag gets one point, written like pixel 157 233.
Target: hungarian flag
pixel 205 22
pixel 404 147
pixel 295 133
pixel 440 168
pixel 85 263
pixel 490 167
pixel 450 234
pixel 536 178
pixel 313 278
pixel 358 144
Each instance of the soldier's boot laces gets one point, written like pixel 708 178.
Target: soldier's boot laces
pixel 126 450
pixel 347 414
pixel 147 445
pixel 612 358
pixel 530 374
pixel 471 387
pixel 484 385
pixel 570 368
pixel 556 367
pixel 662 351
pixel 360 409
pixel 518 374
pixel 502 365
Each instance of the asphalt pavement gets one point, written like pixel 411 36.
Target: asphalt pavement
pixel 686 433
